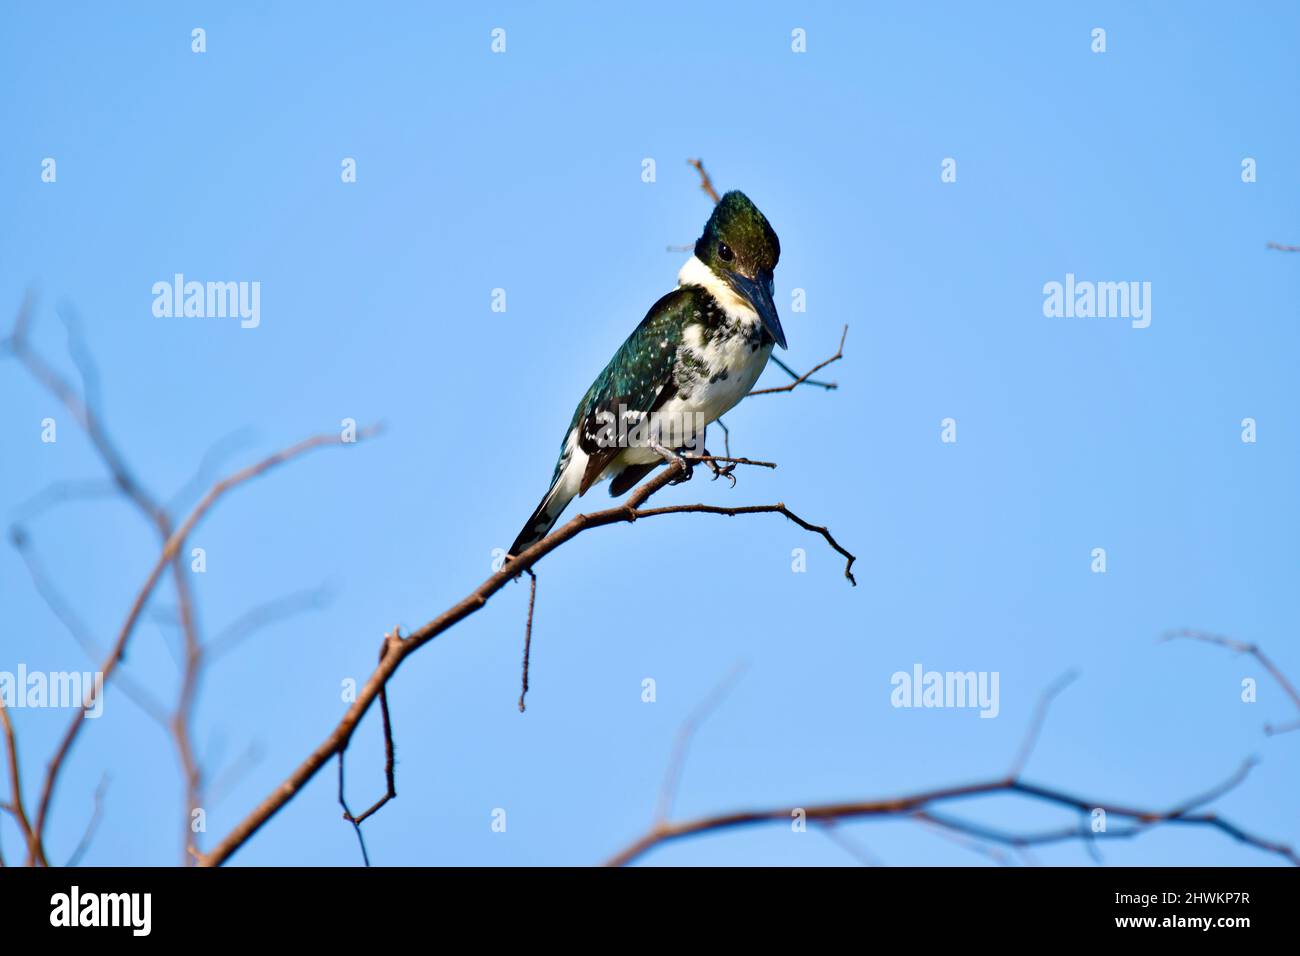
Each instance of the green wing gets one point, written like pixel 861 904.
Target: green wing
pixel 639 377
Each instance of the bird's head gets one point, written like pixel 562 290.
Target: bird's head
pixel 741 249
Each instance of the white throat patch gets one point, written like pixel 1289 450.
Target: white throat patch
pixel 695 272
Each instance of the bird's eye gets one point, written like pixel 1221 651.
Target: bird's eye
pixel 725 252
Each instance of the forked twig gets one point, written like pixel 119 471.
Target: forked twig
pixel 390 775
pixel 1254 650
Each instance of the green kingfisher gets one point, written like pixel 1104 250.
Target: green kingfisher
pixel 698 351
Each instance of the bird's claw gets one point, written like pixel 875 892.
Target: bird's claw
pixel 687 475
pixel 720 471
pixel 671 458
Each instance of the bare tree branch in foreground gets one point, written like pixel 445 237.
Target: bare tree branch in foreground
pixel 389 760
pixel 83 406
pixel 92 825
pixel 1281 248
pixel 15 806
pixel 171 549
pixel 396 648
pixel 920 807
pixel 1254 650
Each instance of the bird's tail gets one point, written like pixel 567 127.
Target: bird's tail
pixel 543 519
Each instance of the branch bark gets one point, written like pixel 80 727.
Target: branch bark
pixel 706 184
pixel 919 807
pixel 628 511
pixel 1254 650
pixel 170 553
pixel 804 379
pixel 16 806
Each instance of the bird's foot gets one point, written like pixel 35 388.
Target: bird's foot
pixel 720 471
pixel 673 457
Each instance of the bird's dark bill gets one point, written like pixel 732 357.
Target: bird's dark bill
pixel 757 295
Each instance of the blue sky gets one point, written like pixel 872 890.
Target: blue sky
pixel 522 171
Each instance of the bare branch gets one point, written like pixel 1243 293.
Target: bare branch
pixel 93 825
pixel 778 508
pixel 61 609
pixel 80 409
pixel 1254 650
pixel 84 409
pixel 706 183
pixel 213 458
pixel 58 492
pixel 528 636
pixel 1282 248
pixel 263 615
pixel 959 832
pixel 829 386
pixel 734 461
pixel 834 833
pixel 912 804
pixel 35 852
pixel 233 774
pixel 1036 723
pixel 390 642
pixel 804 379
pixel 920 807
pixel 626 512
pixel 171 551
pixel 686 734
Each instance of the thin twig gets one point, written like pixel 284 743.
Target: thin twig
pixel 528 636
pixel 829 386
pixel 777 508
pixel 205 473
pixel 231 776
pixel 59 492
pixel 725 459
pixel 803 379
pixel 706 183
pixel 251 621
pixel 390 777
pixel 1254 650
pixel 834 833
pixel 686 734
pixel 1037 721
pixel 35 851
pixel 958 832
pixel 89 834
pixel 63 610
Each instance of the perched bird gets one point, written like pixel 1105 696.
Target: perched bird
pixel 698 351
